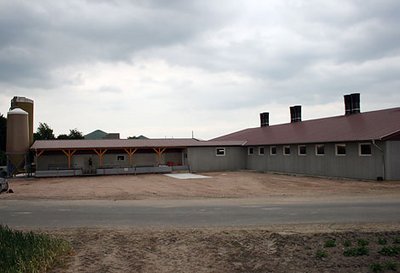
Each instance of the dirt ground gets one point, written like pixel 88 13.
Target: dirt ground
pixel 269 249
pixel 220 185
pixel 278 248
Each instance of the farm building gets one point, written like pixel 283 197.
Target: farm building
pixel 354 145
pixel 134 156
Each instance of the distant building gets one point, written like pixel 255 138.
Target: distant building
pixel 99 134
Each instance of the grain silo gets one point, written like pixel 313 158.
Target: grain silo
pixel 17 146
pixel 26 105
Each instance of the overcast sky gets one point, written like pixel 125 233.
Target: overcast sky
pixel 167 68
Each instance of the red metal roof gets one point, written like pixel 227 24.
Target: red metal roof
pixel 375 125
pixel 128 143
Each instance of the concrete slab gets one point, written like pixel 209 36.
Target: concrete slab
pixel 186 176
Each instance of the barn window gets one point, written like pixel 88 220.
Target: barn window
pixel 365 149
pixel 302 150
pixel 320 149
pixel 340 149
pixel 220 152
pixel 250 151
pixel 272 150
pixel 120 158
pixel 261 151
pixel 286 150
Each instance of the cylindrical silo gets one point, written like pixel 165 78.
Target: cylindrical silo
pixel 17 146
pixel 26 105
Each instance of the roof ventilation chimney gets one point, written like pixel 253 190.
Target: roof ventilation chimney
pixel 264 119
pixel 295 113
pixel 352 103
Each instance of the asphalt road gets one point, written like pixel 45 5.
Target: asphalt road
pixel 191 213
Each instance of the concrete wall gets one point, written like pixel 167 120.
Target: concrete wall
pixel 392 160
pixel 352 165
pixel 204 159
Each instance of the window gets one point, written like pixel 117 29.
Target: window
pixel 220 152
pixel 261 150
pixel 250 151
pixel 120 158
pixel 272 150
pixel 365 149
pixel 302 150
pixel 320 149
pixel 286 150
pixel 340 149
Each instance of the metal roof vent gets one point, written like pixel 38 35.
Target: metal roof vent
pixel 295 113
pixel 352 103
pixel 264 119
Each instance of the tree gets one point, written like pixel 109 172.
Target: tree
pixel 44 132
pixel 63 136
pixel 75 134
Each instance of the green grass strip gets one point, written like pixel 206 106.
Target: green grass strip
pixel 30 252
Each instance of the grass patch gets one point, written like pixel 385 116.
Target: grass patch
pixel 396 240
pixel 390 251
pixel 356 251
pixel 30 252
pixel 330 243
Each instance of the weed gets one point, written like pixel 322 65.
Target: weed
pixel 330 243
pixel 376 267
pixel 320 254
pixel 347 243
pixel 382 241
pixel 29 252
pixel 390 251
pixel 362 242
pixel 396 240
pixel 390 265
pixel 356 251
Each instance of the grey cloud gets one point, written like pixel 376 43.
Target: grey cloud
pixel 54 34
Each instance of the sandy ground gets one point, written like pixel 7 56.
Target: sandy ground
pixel 265 249
pixel 221 185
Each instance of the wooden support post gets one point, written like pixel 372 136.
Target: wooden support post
pixel 69 153
pixel 100 153
pixel 130 153
pixel 159 152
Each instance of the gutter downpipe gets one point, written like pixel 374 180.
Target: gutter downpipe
pixel 383 158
